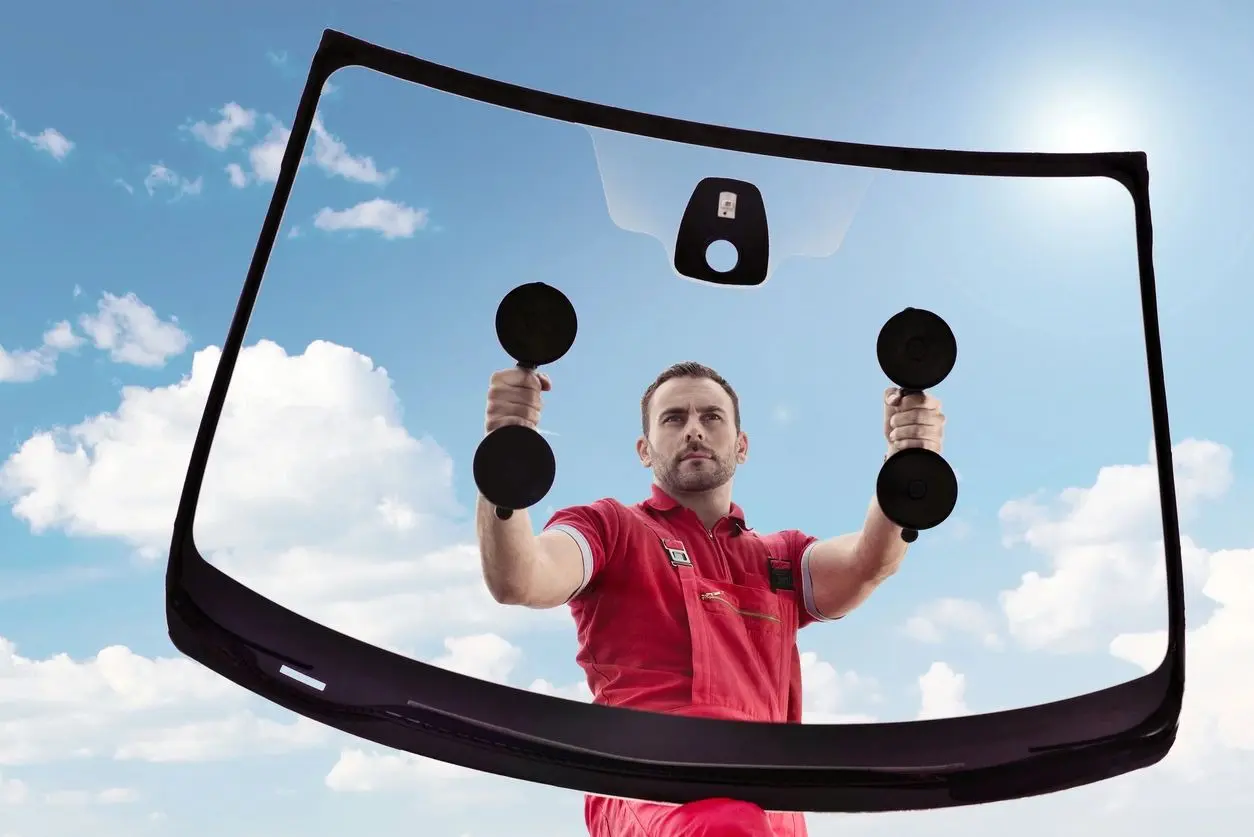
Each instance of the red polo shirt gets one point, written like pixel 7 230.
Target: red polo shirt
pixel 676 618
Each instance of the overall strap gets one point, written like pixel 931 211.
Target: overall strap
pixel 673 547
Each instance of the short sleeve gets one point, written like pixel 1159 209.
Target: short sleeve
pixel 594 528
pixel 800 547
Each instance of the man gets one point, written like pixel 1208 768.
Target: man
pixel 680 606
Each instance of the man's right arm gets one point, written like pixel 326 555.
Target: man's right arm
pixel 522 568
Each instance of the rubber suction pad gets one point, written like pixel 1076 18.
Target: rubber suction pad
pixel 916 349
pixel 514 467
pixel 917 489
pixel 536 324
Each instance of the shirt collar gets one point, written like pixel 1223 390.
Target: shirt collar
pixel 659 500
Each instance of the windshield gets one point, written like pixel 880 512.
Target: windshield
pixel 340 483
pixel 358 512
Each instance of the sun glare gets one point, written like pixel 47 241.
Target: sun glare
pixel 1082 121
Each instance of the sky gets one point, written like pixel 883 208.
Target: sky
pixel 138 152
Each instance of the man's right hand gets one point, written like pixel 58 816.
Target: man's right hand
pixel 514 398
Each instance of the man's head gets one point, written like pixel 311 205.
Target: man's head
pixel 691 421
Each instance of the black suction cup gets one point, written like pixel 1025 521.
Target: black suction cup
pixel 536 324
pixel 916 489
pixel 916 349
pixel 514 467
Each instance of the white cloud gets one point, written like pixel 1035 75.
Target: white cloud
pixel 828 696
pixel 161 178
pixel 358 771
pixel 942 692
pixel 15 792
pixel 331 155
pixel 26 365
pixel 572 691
pixel 935 621
pixel 225 132
pixel 49 140
pixel 131 332
pixel 236 174
pixel 392 220
pixel 1107 568
pixel 120 705
pixel 266 157
pixel 486 656
pixel 1104 548
pixel 364 536
pixel 1219 699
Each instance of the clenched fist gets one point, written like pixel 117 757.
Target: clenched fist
pixel 912 421
pixel 514 398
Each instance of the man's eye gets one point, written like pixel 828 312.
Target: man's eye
pixel 714 416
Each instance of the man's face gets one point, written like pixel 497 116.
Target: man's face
pixel 693 444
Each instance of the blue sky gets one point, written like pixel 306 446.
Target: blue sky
pixel 136 161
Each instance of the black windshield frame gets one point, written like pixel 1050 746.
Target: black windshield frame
pixel 426 710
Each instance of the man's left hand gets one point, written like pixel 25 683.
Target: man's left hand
pixel 912 421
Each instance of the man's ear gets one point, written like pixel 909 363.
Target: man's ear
pixel 742 447
pixel 642 450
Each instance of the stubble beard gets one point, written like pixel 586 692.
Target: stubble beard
pixel 674 477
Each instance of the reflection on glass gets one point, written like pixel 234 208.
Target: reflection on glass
pixel 340 482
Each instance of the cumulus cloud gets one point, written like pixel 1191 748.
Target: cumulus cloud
pixel 936 621
pixel 49 140
pixel 164 180
pixel 316 495
pixel 225 132
pixel 388 218
pixel 1106 570
pixel 1218 709
pixel 26 365
pixel 124 326
pixel 1104 550
pixel 329 153
pixel 123 706
pixel 131 332
pixel 236 174
pixel 830 696
pixel 942 692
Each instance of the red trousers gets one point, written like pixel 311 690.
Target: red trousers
pixel 707 818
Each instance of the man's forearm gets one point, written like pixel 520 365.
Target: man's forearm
pixel 880 549
pixel 507 552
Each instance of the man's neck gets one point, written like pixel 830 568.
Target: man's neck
pixel 709 506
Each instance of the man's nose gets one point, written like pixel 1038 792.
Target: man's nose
pixel 694 431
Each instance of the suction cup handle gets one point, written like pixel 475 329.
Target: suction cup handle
pixel 907 534
pixel 503 513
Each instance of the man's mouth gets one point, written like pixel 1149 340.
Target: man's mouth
pixel 695 455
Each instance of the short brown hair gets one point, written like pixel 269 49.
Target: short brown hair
pixel 687 369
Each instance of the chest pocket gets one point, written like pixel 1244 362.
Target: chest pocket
pixel 743 635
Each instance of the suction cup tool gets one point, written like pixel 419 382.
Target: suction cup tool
pixel 917 489
pixel 514 466
pixel 916 349
pixel 536 324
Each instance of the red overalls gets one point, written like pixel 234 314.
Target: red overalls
pixel 674 618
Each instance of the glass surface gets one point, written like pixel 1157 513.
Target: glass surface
pixel 372 343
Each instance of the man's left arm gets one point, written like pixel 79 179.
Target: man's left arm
pixel 841 572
